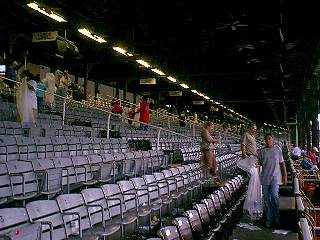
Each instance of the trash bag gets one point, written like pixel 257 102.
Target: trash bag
pixel 252 206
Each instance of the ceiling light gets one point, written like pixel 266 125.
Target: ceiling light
pixel 48 13
pixel 206 97
pixel 157 71
pixel 87 33
pixel 184 85
pixel 120 50
pixel 194 91
pixel 172 79
pixel 143 63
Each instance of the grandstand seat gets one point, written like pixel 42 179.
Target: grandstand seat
pixel 48 212
pixel 50 178
pixel 169 233
pixel 183 227
pixel 195 222
pixel 23 180
pixel 119 212
pixel 14 224
pixel 98 211
pixel 44 147
pixel 83 170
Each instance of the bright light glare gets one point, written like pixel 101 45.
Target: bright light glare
pixel 122 51
pixel 172 79
pixel 184 85
pixel 143 63
pixel 119 50
pixel 157 71
pixel 50 14
pixel 194 91
pixel 87 33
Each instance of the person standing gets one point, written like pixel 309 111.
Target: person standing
pixel 253 202
pixel 208 159
pixel 248 142
pixel 11 73
pixel 272 175
pixel 144 109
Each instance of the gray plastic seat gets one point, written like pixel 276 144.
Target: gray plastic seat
pixel 8 148
pixel 26 148
pixel 184 227
pixel 102 171
pixel 47 211
pixel 83 170
pixel 24 182
pixel 60 147
pixel 117 208
pixel 14 224
pixel 69 177
pixel 154 200
pixel 44 147
pixel 169 233
pixel 5 184
pixel 135 200
pixel 99 212
pixel 50 178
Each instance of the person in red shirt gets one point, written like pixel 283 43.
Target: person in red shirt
pixel 116 108
pixel 144 109
pixel 312 155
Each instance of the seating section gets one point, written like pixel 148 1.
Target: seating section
pixel 110 209
pixel 210 218
pixel 72 178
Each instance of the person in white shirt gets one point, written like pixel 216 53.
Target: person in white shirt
pixel 295 152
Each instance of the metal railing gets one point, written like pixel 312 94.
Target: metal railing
pixel 66 101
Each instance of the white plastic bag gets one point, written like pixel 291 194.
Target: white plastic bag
pixel 253 203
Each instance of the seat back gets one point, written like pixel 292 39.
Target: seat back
pixel 74 203
pixel 95 196
pixel 184 228
pixel 194 220
pixel 47 211
pixel 169 233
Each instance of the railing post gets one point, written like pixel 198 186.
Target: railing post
pixel 158 138
pixel 108 126
pixel 64 110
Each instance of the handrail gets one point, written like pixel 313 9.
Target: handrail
pixel 105 111
pixel 158 109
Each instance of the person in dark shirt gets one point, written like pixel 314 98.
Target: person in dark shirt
pixel 11 73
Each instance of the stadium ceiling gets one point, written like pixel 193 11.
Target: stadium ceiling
pixel 254 57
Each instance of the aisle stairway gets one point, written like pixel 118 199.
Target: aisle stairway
pixel 287 220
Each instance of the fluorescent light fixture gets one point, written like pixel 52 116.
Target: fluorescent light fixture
pixel 122 51
pixel 194 91
pixel 157 71
pixel 87 33
pixel 50 14
pixel 206 97
pixel 184 85
pixel 231 110
pixel 172 79
pixel 143 63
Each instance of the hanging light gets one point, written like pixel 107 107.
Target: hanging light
pixel 49 13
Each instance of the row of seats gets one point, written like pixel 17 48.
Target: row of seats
pixel 26 148
pixel 211 217
pixel 308 214
pixel 112 210
pixel 22 180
